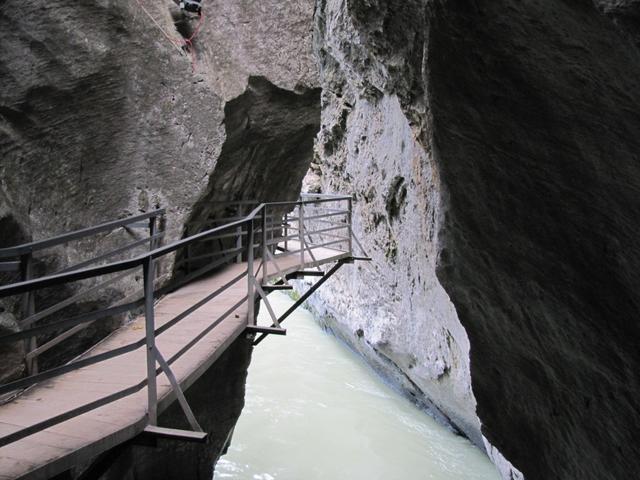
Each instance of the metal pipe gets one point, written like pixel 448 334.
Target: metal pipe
pixel 265 260
pixel 250 292
pixel 350 222
pixel 28 309
pixel 301 233
pixel 239 234
pixel 286 231
pixel 152 391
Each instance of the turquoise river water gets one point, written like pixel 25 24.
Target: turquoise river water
pixel 315 411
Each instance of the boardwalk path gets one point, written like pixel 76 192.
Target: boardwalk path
pixel 54 450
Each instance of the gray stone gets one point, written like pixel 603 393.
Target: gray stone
pixel 518 125
pixel 102 116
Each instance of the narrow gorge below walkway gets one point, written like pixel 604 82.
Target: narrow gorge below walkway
pixel 315 410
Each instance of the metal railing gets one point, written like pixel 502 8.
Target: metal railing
pixel 292 228
pixel 21 259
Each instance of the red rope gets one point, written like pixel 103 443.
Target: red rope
pixel 189 41
pixel 186 43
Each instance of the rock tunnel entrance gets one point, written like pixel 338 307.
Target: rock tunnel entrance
pixel 268 149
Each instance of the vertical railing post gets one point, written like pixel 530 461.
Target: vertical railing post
pixel 301 233
pixel 28 309
pixel 152 390
pixel 239 233
pixel 187 253
pixel 250 285
pixel 286 231
pixel 152 232
pixel 264 244
pixel 350 224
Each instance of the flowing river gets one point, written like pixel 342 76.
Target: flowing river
pixel 315 411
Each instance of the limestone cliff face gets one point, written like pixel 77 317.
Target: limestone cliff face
pixel 101 114
pixel 493 150
pixel 104 113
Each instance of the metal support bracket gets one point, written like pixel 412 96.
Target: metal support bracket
pixel 178 391
pixel 266 303
pixel 175 434
pixel 267 330
pixel 303 298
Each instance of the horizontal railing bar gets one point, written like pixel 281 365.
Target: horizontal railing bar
pixel 325 222
pixel 328 196
pixel 71 300
pixel 69 367
pixel 224 235
pixel 79 319
pixel 160 252
pixel 322 208
pixel 200 303
pixel 193 275
pixel 313 247
pixel 330 229
pixel 325 215
pixel 60 278
pixel 57 279
pixel 322 245
pixel 208 255
pixel 230 202
pixel 25 432
pixel 330 235
pixel 218 220
pixel 124 248
pixel 202 334
pixel 50 422
pixel 67 237
pixel 9 266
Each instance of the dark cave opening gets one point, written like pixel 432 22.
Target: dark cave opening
pixel 270 134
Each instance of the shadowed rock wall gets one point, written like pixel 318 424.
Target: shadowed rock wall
pixel 521 176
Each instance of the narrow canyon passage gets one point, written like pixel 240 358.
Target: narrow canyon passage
pixel 315 410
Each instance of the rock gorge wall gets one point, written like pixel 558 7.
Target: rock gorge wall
pixel 492 147
pixel 104 113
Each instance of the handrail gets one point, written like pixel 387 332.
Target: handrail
pixel 75 235
pixel 56 279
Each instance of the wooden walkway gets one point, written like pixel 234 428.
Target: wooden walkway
pixel 56 449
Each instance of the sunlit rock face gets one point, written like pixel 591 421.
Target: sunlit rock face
pixel 496 178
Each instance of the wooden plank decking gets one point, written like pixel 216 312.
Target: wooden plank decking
pixel 54 450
